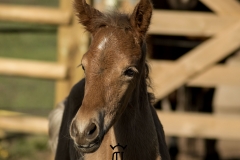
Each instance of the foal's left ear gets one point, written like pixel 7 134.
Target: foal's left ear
pixel 87 14
pixel 141 16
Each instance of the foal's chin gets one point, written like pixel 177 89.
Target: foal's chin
pixel 89 148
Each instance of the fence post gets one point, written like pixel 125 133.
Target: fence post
pixel 80 47
pixel 72 44
pixel 64 43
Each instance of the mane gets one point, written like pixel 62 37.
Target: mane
pixel 147 80
pixel 151 96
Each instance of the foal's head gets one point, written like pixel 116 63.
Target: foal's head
pixel 113 65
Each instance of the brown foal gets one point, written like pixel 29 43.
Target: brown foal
pixel 116 119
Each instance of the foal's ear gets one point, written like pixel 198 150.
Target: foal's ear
pixel 141 16
pixel 86 14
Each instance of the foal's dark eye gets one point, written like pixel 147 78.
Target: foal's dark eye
pixel 129 72
pixel 83 67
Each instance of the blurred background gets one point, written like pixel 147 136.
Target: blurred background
pixel 22 94
pixel 195 70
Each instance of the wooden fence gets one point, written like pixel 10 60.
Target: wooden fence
pixel 72 43
pixel 196 68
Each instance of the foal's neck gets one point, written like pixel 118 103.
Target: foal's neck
pixel 136 128
pixel 137 107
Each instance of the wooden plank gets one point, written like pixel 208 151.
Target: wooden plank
pixel 9 113
pixel 200 125
pixel 28 124
pixel 17 122
pixel 188 23
pixel 224 7
pixel 160 66
pixel 65 47
pixel 128 6
pixel 217 75
pixel 81 43
pixel 32 68
pixel 73 42
pixel 226 100
pixel 28 14
pixel 197 60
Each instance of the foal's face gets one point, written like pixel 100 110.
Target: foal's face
pixel 112 67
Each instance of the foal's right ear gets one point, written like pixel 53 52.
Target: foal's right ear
pixel 141 16
pixel 86 14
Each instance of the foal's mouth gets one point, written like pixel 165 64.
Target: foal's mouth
pixel 91 147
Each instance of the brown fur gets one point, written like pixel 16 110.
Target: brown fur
pixel 116 106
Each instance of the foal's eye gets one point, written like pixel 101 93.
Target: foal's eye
pixel 129 72
pixel 83 67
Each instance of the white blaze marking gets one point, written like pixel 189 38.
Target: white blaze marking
pixel 102 44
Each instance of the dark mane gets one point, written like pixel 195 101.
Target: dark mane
pixel 151 96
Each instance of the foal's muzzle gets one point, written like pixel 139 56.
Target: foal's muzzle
pixel 86 136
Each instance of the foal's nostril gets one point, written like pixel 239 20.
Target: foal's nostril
pixel 91 130
pixel 84 134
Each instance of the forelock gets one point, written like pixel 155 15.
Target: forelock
pixel 113 19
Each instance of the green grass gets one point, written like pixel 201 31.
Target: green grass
pixel 24 148
pixel 33 96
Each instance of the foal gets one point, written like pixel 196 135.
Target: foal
pixel 113 118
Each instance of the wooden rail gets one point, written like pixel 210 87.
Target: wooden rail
pixel 175 124
pixel 34 69
pixel 197 67
pixel 16 122
pixel 212 77
pixel 200 125
pixel 185 23
pixel 218 75
pixel 42 15
pixel 72 42
pixel 195 61
pixel 229 8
